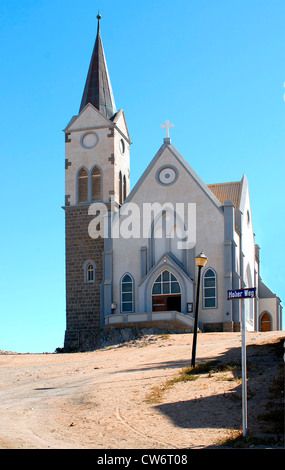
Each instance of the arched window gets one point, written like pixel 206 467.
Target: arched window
pixel 210 289
pixel 166 283
pixel 83 185
pixel 96 184
pixel 90 273
pixel 127 294
pixel 89 268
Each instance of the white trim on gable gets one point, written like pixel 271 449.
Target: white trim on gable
pixel 99 122
pixel 123 129
pixel 88 108
pixel 185 165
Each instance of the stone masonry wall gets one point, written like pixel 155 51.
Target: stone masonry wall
pixel 82 299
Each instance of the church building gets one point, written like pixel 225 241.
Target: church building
pixel 130 254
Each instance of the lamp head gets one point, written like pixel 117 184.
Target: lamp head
pixel 201 259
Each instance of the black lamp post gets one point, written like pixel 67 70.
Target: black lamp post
pixel 200 261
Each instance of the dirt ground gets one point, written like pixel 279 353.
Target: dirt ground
pixel 98 399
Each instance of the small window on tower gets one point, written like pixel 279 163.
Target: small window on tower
pixel 89 269
pixel 120 189
pixel 248 217
pixel 90 273
pixel 124 188
pixel 122 146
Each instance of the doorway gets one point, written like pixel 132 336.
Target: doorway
pixel 166 293
pixel 265 322
pixel 165 303
pixel 174 302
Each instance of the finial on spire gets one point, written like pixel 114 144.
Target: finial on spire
pixel 98 18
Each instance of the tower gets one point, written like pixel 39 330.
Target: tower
pixel 97 169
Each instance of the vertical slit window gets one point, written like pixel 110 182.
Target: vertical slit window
pixel 120 189
pixel 83 186
pixel 124 188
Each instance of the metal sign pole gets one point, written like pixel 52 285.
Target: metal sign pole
pixel 243 365
pixel 241 294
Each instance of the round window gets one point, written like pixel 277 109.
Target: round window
pixel 89 140
pixel 167 175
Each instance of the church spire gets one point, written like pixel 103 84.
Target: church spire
pixel 98 89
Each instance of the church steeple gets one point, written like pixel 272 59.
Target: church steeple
pixel 98 89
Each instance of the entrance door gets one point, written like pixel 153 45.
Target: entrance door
pixel 265 322
pixel 165 303
pixel 159 303
pixel 166 293
pixel 174 302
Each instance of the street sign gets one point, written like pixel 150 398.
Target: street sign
pixel 248 293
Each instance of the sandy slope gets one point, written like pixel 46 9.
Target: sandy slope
pixel 97 399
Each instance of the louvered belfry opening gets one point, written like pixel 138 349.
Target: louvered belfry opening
pixel 96 184
pixel 83 186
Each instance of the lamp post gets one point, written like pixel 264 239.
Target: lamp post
pixel 200 261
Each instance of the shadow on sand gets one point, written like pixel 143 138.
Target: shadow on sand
pixel 221 411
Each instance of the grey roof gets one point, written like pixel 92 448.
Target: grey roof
pixel 98 89
pixel 264 292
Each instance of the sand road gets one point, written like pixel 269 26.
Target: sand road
pixel 96 399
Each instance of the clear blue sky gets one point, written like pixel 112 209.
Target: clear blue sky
pixel 215 68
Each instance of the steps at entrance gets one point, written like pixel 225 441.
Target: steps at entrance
pixel 170 320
